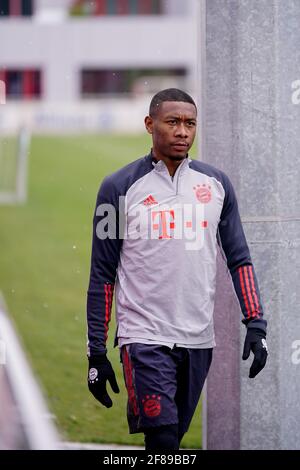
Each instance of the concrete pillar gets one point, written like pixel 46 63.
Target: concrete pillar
pixel 250 79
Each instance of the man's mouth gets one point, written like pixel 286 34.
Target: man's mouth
pixel 180 145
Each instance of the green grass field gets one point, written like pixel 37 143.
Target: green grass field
pixel 44 270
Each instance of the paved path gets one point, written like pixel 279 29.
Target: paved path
pixel 82 446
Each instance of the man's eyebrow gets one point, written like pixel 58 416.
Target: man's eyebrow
pixel 173 116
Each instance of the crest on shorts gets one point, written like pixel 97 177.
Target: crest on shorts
pixel 152 405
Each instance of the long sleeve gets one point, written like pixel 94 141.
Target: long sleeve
pixel 106 246
pixel 234 245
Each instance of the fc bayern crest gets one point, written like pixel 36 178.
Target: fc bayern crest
pixel 203 193
pixel 152 405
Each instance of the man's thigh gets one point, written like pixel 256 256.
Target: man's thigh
pixel 192 372
pixel 150 374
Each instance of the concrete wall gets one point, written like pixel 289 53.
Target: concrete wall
pixel 252 128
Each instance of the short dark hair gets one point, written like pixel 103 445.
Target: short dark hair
pixel 170 94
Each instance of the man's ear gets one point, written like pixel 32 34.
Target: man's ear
pixel 149 124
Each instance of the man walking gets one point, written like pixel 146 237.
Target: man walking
pixel 157 225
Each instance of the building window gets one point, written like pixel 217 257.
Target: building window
pixel 16 8
pixel 116 7
pixel 95 83
pixel 21 84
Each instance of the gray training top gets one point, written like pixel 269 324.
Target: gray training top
pixel 155 237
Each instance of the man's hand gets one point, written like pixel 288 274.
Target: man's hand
pixel 255 341
pixel 100 370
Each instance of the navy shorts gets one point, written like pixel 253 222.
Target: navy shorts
pixel 163 384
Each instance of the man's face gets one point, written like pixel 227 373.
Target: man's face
pixel 173 129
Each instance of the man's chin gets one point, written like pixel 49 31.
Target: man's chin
pixel 177 157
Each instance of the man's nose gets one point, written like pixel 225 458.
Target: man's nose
pixel 181 130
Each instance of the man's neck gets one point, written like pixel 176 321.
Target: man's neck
pixel 171 164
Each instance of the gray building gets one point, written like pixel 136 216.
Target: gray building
pixel 66 53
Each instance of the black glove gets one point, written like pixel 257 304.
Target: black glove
pixel 100 370
pixel 255 341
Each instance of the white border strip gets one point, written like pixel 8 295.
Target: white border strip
pixel 39 430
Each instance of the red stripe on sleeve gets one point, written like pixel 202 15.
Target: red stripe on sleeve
pixel 106 310
pixel 253 290
pixel 108 290
pixel 240 270
pixel 249 293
